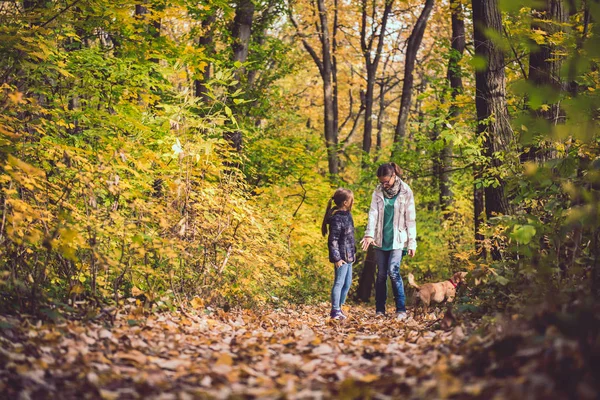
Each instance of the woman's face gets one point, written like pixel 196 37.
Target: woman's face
pixel 387 181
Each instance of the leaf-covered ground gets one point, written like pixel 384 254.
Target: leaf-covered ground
pixel 288 353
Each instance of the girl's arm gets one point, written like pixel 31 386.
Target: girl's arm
pixel 333 240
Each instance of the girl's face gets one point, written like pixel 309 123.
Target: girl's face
pixel 387 181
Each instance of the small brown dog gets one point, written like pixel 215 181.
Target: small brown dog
pixel 437 292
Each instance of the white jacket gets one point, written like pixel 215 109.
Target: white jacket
pixel 405 226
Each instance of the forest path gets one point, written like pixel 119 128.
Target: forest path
pixel 292 353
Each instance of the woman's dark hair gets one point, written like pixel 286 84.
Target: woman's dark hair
pixel 389 169
pixel 339 197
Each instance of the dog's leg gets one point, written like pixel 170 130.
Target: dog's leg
pixel 415 303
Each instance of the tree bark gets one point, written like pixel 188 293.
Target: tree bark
pixel 544 72
pixel 240 31
pixel 454 77
pixel 371 64
pixel 414 42
pixel 380 116
pixel 329 112
pixel 325 64
pixel 573 86
pixel 206 42
pixel 265 15
pixel 334 46
pixel 490 101
pixel 153 28
pixel 367 277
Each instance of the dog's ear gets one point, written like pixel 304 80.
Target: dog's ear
pixel 459 277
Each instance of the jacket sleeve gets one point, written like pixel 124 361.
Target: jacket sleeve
pixel 410 218
pixel 373 215
pixel 333 240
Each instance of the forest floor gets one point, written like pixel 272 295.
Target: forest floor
pixel 292 353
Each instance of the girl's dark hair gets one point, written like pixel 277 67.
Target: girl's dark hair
pixel 389 169
pixel 339 197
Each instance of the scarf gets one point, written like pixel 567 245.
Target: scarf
pixel 393 190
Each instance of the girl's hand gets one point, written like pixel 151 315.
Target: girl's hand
pixel 366 242
pixel 411 253
pixel 339 263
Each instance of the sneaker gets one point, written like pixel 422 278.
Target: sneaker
pixel 401 315
pixel 336 314
pixel 342 315
pixel 380 314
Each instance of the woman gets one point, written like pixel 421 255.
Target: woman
pixel 391 229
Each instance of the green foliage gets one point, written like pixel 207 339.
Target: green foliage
pixel 111 183
pixel 116 181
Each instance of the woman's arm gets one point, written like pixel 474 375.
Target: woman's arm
pixel 410 219
pixel 367 240
pixel 373 215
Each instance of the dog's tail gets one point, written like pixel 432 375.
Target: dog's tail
pixel 411 281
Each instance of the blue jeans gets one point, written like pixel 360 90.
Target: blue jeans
pixel 388 264
pixel 341 285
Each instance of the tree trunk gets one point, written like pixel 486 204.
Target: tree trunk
pixel 368 123
pixel 206 42
pixel 380 116
pixel 478 212
pixel 455 79
pixel 336 116
pixel 265 15
pixel 414 42
pixel 490 101
pixel 325 63
pixel 372 64
pixel 329 113
pixel 544 72
pixel 241 30
pixel 573 85
pixel 367 277
pixel 153 29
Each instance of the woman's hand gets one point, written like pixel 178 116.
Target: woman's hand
pixel 411 253
pixel 366 242
pixel 339 263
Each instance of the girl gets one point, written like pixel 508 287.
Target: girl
pixel 391 228
pixel 342 249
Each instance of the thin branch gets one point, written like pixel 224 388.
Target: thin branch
pixel 60 13
pixel 415 175
pixel 514 51
pixel 303 197
pixel 306 45
pixel 345 142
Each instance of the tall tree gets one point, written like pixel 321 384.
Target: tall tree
pixel 454 77
pixel 265 16
pixel 205 41
pixel 492 114
pixel 372 48
pixel 544 69
pixel 414 43
pixel 152 24
pixel 325 64
pixel 241 30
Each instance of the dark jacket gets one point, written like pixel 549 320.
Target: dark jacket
pixel 341 237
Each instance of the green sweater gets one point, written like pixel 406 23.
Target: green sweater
pixel 388 224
